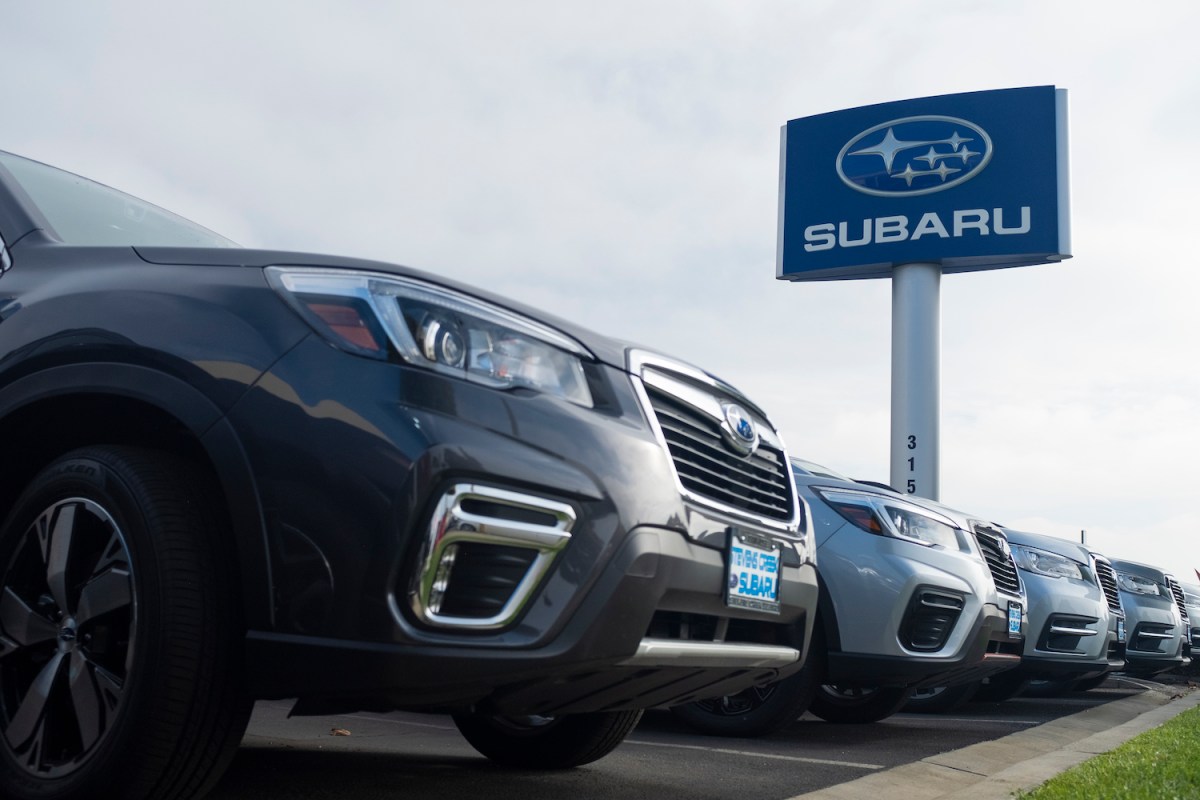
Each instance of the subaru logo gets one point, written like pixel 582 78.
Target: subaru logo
pixel 738 430
pixel 914 155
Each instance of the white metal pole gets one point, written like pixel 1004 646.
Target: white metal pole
pixel 916 374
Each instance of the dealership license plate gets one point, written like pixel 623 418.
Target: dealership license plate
pixel 1014 619
pixel 753 576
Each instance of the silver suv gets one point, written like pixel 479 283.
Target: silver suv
pixel 1076 625
pixel 1156 619
pixel 912 594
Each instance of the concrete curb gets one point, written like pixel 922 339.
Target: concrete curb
pixel 1020 761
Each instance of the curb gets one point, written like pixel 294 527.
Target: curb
pixel 1023 760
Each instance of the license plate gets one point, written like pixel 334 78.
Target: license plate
pixel 1120 630
pixel 753 576
pixel 1014 619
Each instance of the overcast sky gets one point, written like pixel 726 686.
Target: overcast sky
pixel 617 163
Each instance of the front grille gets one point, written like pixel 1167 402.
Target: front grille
pixel 760 484
pixel 1177 593
pixel 999 560
pixel 1108 583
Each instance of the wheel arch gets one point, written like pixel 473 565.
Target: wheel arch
pixel 56 410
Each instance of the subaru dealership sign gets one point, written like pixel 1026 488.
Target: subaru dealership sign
pixel 967 182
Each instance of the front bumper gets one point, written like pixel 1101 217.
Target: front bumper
pixel 1072 632
pixel 990 650
pixel 1156 642
pixel 643 637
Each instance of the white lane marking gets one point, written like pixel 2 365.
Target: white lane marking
pixel 727 751
pixel 936 718
pixel 399 722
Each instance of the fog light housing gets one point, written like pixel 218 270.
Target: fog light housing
pixel 485 552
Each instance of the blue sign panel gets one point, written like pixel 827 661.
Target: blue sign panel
pixel 966 181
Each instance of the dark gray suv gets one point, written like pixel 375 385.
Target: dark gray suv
pixel 237 474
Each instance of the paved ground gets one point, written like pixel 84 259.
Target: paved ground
pixel 410 755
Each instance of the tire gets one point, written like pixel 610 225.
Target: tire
pixel 759 710
pixel 857 704
pixel 940 699
pixel 120 662
pixel 1002 687
pixel 546 742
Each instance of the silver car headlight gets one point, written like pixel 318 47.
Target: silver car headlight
pixel 1137 584
pixel 437 328
pixel 890 516
pixel 1043 562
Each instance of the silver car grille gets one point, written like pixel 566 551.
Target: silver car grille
pixel 684 404
pixel 1177 593
pixel 999 560
pixel 1108 582
pixel 759 484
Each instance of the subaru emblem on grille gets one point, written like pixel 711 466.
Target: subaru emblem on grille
pixel 738 430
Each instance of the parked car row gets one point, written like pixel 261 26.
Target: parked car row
pixel 923 608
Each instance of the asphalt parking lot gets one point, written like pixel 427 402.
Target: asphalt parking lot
pixel 412 755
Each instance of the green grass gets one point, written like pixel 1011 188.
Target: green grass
pixel 1160 764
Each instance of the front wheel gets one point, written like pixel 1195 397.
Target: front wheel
pixel 857 704
pixel 534 742
pixel 119 659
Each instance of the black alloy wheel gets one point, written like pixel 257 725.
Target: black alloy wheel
pixel 120 658
pixel 857 704
pixel 69 616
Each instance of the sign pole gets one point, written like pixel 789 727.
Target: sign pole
pixel 916 369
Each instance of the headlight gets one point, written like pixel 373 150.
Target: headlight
pixel 436 328
pixel 888 516
pixel 1137 584
pixel 1043 562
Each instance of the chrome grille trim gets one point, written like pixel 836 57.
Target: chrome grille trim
pixel 1107 578
pixel 1177 593
pixel 999 559
pixel 683 406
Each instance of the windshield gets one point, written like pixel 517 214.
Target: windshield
pixel 83 212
